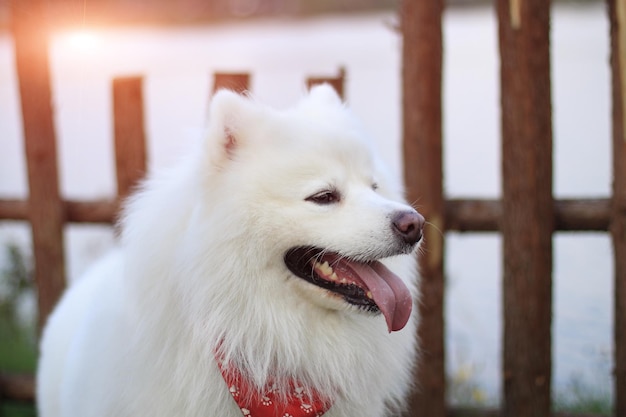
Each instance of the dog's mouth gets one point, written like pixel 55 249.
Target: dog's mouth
pixel 369 285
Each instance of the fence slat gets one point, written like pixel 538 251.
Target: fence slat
pixel 477 215
pixel 422 134
pixel 130 137
pixel 462 215
pixel 17 387
pixel 13 210
pixel 45 207
pixel 237 82
pixel 617 16
pixel 527 206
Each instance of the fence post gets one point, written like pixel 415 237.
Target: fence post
pixel 527 217
pixel 129 134
pixel 617 15
pixel 422 134
pixel 45 208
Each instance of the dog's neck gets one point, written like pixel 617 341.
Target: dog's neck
pixel 288 398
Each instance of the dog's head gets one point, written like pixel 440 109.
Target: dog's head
pixel 308 196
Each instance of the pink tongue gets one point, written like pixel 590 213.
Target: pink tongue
pixel 388 291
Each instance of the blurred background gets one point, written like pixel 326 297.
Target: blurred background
pixel 177 46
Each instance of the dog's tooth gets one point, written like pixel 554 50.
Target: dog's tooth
pixel 323 269
pixel 334 276
pixel 369 295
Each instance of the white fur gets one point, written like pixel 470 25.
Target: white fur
pixel 201 265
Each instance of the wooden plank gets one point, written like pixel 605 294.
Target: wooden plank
pixel 480 215
pixel 527 207
pixel 462 215
pixel 467 215
pixel 422 133
pixel 617 16
pixel 45 207
pixel 338 82
pixel 13 210
pixel 573 215
pixel 130 138
pixel 17 387
pixel 99 211
pixel 237 82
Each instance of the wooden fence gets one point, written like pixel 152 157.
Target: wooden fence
pixel 526 216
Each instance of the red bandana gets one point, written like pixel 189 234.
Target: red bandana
pixel 270 403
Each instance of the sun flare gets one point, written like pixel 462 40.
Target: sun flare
pixel 83 40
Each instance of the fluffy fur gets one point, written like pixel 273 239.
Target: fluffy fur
pixel 200 267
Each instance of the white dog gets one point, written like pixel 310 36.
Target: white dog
pixel 253 279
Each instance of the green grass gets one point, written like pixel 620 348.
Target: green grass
pixel 17 354
pixel 17 410
pixel 18 351
pixel 578 397
pixel 583 397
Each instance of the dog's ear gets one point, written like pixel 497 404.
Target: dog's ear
pixel 229 115
pixel 325 94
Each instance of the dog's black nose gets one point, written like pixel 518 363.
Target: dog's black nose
pixel 409 225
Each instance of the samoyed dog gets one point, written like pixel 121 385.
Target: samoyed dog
pixel 271 273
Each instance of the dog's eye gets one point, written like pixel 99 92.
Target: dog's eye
pixel 374 186
pixel 325 197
